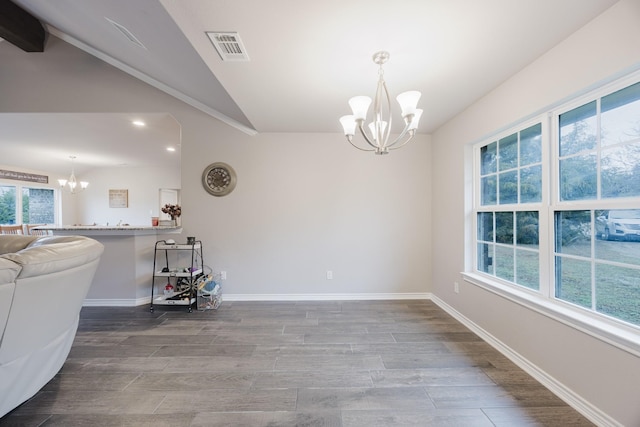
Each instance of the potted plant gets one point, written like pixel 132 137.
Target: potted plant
pixel 174 211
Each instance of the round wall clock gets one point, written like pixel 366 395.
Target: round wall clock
pixel 219 179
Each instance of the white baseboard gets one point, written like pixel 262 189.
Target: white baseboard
pixel 574 400
pixel 323 297
pixel 116 302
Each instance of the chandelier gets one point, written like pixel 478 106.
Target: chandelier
pixel 377 136
pixel 72 182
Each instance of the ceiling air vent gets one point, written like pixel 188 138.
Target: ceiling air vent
pixel 128 34
pixel 229 46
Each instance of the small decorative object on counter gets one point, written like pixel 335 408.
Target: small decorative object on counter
pixel 174 211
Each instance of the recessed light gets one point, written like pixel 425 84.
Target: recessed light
pixel 139 123
pixel 171 149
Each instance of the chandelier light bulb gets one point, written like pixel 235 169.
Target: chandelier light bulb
pixel 359 106
pixel 408 102
pixel 377 129
pixel 415 120
pixel 349 125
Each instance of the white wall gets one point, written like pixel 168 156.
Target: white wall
pixel 143 185
pixel 308 203
pixel 304 203
pixel 604 376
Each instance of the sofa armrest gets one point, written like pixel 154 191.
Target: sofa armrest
pixel 11 243
pixel 52 254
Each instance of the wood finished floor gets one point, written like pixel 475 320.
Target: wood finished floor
pixel 340 363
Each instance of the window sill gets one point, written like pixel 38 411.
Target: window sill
pixel 625 337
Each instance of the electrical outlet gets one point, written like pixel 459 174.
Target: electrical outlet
pixel 329 274
pixel 223 275
pixel 456 287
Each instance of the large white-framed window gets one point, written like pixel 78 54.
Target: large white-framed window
pixel 556 216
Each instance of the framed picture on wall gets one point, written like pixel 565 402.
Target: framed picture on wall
pixel 118 198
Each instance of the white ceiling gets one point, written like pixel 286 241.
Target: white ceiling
pixel 45 141
pixel 308 58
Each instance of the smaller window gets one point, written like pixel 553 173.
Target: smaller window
pixel 38 206
pixel 600 148
pixel 511 169
pixel 7 204
pixel 512 251
pixel 26 205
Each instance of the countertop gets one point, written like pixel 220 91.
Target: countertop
pixel 125 230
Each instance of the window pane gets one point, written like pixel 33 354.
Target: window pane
pixel 618 292
pixel 531 184
pixel 573 281
pixel 7 205
pixel 578 178
pixel 620 120
pixel 618 224
pixel 488 158
pixel 485 226
pixel 531 145
pixel 578 129
pixel 37 206
pixel 573 233
pixel 528 269
pixel 621 171
pixel 504 263
pixel 508 152
pixel 488 190
pixel 504 227
pixel 508 192
pixel 485 258
pixel 527 229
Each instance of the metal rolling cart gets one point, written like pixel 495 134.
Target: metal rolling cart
pixel 179 286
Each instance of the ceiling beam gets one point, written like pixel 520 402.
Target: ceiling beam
pixel 19 27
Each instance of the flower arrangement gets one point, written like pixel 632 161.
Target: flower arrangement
pixel 174 211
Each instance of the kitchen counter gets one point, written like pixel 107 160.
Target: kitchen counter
pixel 125 271
pixel 108 230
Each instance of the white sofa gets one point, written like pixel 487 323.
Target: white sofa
pixel 43 282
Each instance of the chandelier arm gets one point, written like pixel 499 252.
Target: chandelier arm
pixel 359 148
pixel 411 135
pixel 402 134
pixel 365 136
pixel 387 131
